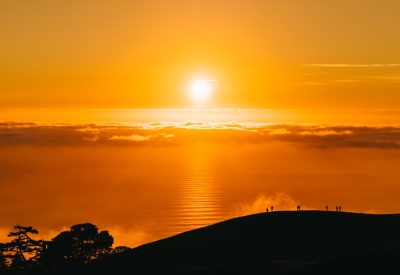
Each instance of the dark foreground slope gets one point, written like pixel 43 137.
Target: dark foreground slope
pixel 306 242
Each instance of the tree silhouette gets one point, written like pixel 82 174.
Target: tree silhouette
pixel 120 249
pixel 82 244
pixel 23 250
pixel 3 259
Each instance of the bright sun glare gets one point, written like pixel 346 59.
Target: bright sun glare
pixel 200 90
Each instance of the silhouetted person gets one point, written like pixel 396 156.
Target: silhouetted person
pixel 266 209
pixel 272 208
pixel 298 207
pixel 326 207
pixel 340 209
pixel 337 209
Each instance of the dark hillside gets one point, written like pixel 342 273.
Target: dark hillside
pixel 285 242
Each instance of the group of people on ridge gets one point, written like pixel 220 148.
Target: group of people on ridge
pixel 338 208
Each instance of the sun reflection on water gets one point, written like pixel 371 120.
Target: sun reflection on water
pixel 200 198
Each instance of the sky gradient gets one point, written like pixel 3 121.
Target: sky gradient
pixel 143 54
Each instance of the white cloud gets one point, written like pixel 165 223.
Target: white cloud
pixel 133 137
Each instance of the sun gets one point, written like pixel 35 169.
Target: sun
pixel 200 90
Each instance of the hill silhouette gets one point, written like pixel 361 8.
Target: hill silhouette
pixel 305 242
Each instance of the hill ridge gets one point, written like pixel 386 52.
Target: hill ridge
pixel 280 241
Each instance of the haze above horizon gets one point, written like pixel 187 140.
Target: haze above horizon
pixel 151 117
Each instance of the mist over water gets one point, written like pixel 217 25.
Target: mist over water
pixel 142 194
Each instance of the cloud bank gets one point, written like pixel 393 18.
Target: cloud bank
pixel 280 202
pixel 177 134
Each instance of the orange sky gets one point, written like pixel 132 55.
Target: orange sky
pixel 96 120
pixel 142 54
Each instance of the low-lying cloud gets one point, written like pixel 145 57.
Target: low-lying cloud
pixel 279 202
pixel 176 134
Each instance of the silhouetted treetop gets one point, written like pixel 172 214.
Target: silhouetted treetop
pixel 22 242
pixel 70 249
pixel 82 244
pixel 22 251
pixel 120 249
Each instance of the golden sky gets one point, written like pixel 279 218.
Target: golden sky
pixel 104 113
pixel 340 54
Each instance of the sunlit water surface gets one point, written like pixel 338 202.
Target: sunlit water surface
pixel 142 194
